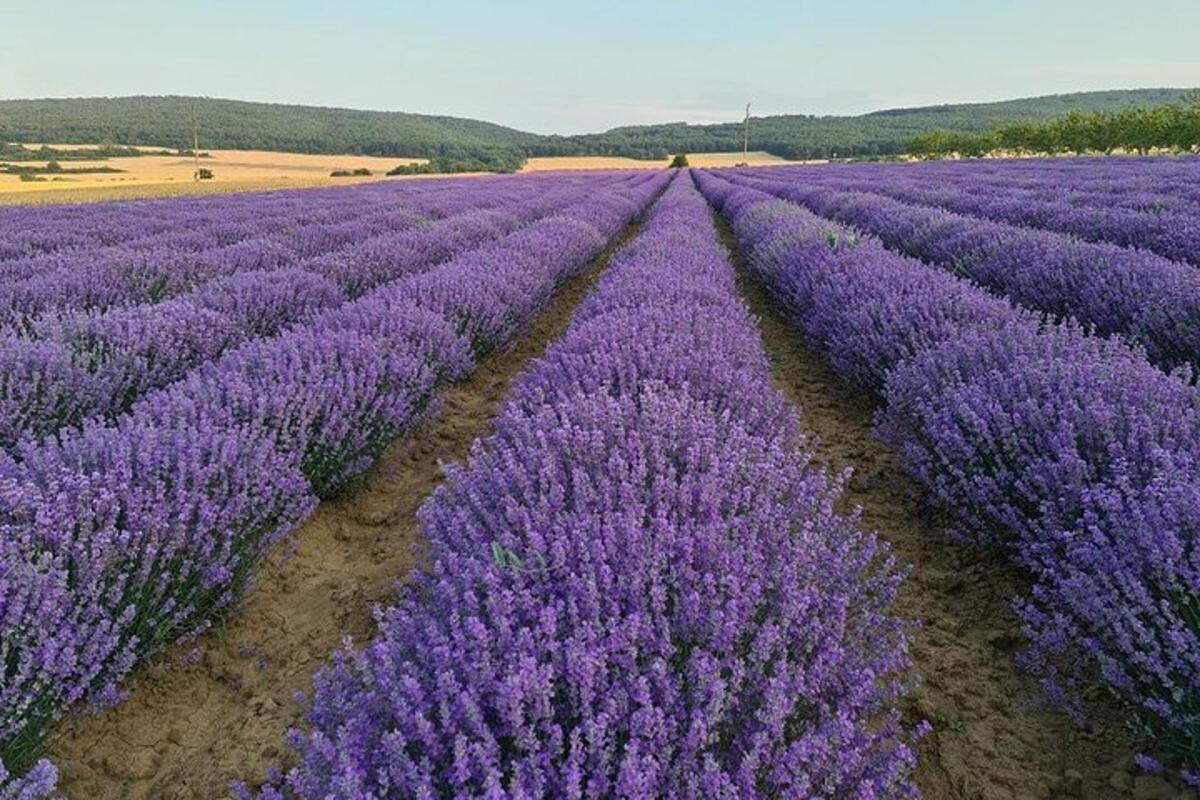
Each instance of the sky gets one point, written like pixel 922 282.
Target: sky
pixel 573 67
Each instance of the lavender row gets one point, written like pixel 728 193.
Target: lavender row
pixel 30 232
pixel 639 587
pixel 33 231
pixel 1163 182
pixel 1148 185
pixel 84 364
pixel 121 538
pixel 1146 298
pixel 1138 191
pixel 191 234
pixel 1092 215
pixel 174 264
pixel 121 277
pixel 1070 452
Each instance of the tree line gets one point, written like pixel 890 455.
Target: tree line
pixel 1174 128
pixel 18 152
pixel 455 144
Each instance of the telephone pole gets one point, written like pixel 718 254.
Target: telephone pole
pixel 746 136
pixel 195 143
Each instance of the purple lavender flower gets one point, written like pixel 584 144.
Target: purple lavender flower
pixel 1071 452
pixel 125 532
pixel 640 587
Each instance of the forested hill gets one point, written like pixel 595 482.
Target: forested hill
pixel 878 133
pixel 166 122
pixel 240 125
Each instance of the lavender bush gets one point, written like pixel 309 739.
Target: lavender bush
pixel 123 536
pixel 248 232
pixel 117 540
pixel 1071 452
pixel 1147 298
pixel 41 390
pixel 1138 205
pixel 128 351
pixel 639 586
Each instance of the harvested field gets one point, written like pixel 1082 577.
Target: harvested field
pixel 166 176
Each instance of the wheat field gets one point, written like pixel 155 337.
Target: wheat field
pixel 153 176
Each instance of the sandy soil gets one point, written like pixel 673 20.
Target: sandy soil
pixel 228 166
pixel 989 741
pixel 188 729
pixel 617 162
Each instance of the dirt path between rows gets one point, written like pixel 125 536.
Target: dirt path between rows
pixel 989 740
pixel 188 729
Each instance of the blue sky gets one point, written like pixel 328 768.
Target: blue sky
pixel 569 67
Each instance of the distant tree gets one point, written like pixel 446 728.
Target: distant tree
pixel 410 169
pixel 679 161
pixel 1141 129
pixel 205 174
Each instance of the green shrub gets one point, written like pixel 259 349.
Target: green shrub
pixel 410 169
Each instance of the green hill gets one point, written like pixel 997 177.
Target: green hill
pixel 166 122
pixel 235 124
pixel 877 133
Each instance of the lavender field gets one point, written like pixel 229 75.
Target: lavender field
pixel 844 481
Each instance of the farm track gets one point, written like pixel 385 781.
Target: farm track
pixel 188 729
pixel 989 740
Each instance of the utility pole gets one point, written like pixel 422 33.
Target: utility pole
pixel 746 136
pixel 195 143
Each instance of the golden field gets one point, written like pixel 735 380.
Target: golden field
pixel 260 170
pixel 148 176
